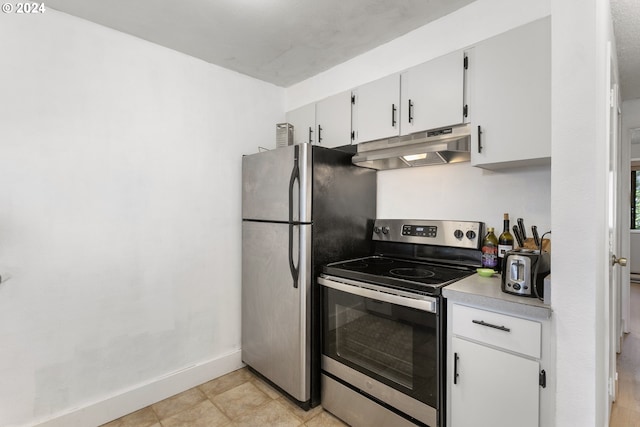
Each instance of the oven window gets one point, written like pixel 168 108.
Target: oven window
pixel 376 343
pixel 395 345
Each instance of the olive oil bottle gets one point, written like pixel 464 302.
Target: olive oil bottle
pixel 490 250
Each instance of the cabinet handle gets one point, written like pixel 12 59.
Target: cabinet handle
pixel 455 368
pixel 489 325
pixel 479 139
pixel 319 134
pixel 310 132
pixel 410 111
pixel 393 115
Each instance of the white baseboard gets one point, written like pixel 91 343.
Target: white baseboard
pixel 139 397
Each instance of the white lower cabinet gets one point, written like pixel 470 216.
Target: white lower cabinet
pixel 493 388
pixel 493 372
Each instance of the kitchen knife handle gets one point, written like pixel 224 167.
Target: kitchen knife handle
pixel 523 230
pixel 393 115
pixel 479 139
pixel 516 233
pixel 536 237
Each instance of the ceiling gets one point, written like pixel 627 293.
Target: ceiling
pixel 626 25
pixel 287 41
pixel 278 41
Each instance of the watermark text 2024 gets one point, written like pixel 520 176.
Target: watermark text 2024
pixel 23 8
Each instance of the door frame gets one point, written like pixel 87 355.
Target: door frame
pixel 626 133
pixel 613 234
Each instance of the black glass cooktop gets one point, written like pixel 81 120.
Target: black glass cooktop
pixel 398 273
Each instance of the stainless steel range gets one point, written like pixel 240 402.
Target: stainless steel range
pixel 383 349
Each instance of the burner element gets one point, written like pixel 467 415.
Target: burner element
pixel 412 273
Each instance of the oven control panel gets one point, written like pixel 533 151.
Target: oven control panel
pixel 459 234
pixel 419 230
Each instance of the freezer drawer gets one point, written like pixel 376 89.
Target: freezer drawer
pixel 276 316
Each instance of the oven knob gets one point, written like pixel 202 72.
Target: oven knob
pixel 385 230
pixel 471 234
pixel 458 234
pixel 376 229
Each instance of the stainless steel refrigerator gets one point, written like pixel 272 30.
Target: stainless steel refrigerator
pixel 302 206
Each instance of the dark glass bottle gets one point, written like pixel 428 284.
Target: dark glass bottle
pixel 505 241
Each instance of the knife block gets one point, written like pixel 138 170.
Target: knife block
pixel 530 244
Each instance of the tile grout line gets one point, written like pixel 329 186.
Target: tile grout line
pixel 283 405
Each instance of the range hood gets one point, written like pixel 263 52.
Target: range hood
pixel 434 147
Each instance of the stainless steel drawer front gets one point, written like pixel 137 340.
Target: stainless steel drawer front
pixel 401 401
pixel 356 409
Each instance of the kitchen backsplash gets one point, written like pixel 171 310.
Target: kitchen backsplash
pixel 461 191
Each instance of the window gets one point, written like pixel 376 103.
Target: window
pixel 635 195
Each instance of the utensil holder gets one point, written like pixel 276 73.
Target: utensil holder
pixel 529 243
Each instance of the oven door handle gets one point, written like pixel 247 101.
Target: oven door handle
pixel 417 303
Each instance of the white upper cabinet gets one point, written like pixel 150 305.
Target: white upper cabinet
pixel 303 120
pixel 333 120
pixel 428 96
pixel 377 109
pixel 432 94
pixel 510 98
pixel 326 122
pixel 505 93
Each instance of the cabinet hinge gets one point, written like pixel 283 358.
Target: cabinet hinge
pixel 466 62
pixel 543 379
pixel 353 99
pixel 465 110
pixel 610 386
pixel 612 98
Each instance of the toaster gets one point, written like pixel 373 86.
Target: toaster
pixel 523 272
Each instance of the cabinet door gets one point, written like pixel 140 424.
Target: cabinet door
pixel 432 94
pixel 303 120
pixel 333 120
pixel 511 101
pixel 492 388
pixel 377 109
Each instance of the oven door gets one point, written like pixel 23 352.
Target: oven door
pixel 385 343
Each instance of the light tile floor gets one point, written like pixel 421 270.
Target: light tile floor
pixel 238 399
pixel 242 399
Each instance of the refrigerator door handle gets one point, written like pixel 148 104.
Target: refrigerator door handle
pixel 292 266
pixel 295 176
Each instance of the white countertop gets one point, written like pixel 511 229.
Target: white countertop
pixel 485 292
